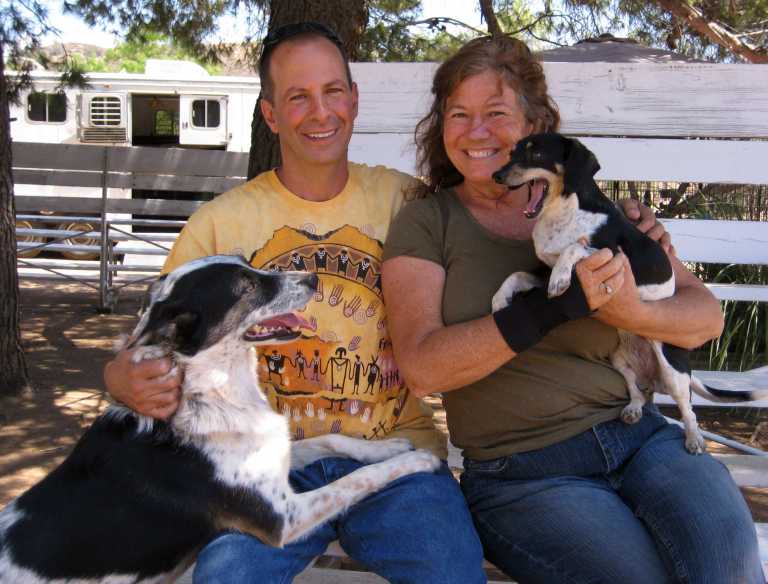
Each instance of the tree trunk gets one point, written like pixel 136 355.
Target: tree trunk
pixel 486 9
pixel 347 17
pixel 13 367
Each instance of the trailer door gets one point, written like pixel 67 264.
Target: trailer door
pixel 203 120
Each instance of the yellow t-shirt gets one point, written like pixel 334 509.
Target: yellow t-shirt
pixel 340 377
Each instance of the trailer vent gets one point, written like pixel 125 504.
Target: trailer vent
pixel 104 135
pixel 106 111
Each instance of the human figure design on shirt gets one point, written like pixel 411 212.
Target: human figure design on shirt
pixel 321 259
pixel 356 373
pixel 343 262
pixel 362 269
pixel 300 362
pixel 315 364
pixel 276 365
pixel 297 262
pixel 339 366
pixel 372 371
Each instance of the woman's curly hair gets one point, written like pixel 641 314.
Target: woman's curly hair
pixel 516 66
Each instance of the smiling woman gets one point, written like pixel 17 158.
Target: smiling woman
pixel 530 393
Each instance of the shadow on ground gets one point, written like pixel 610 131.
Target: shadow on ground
pixel 66 343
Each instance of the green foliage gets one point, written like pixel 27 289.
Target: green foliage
pixel 568 21
pixel 395 32
pixel 131 55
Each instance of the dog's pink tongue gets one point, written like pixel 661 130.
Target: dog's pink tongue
pixel 536 192
pixel 289 320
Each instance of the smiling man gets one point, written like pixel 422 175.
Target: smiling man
pixel 321 212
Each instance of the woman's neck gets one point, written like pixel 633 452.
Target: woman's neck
pixel 498 209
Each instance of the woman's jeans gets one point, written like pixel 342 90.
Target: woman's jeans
pixel 617 504
pixel 417 529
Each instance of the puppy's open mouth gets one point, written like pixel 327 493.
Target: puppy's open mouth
pixel 537 192
pixel 283 327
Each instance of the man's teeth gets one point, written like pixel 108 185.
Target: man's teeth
pixel 481 153
pixel 327 134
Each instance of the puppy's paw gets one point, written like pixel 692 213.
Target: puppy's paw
pixel 558 285
pixel 417 461
pixel 694 443
pixel 148 352
pixel 632 414
pixel 379 450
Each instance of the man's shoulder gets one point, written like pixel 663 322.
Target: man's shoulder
pixel 228 200
pixel 381 177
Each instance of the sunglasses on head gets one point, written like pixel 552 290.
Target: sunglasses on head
pixel 288 31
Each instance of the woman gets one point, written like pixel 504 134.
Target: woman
pixel 560 489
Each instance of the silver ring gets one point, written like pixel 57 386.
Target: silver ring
pixel 608 289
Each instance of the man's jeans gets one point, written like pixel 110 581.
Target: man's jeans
pixel 418 529
pixel 616 504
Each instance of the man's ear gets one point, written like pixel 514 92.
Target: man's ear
pixel 355 99
pixel 268 112
pixel 580 165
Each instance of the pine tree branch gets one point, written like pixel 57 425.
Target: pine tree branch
pixel 713 30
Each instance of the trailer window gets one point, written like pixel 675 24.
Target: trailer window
pixel 47 107
pixel 105 111
pixel 206 113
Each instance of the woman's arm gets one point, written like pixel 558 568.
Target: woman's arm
pixel 434 357
pixel 687 319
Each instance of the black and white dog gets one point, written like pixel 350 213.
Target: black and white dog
pixel 575 219
pixel 138 498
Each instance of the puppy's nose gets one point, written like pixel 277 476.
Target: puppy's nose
pixel 499 176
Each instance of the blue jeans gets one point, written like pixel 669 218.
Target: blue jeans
pixel 616 504
pixel 418 529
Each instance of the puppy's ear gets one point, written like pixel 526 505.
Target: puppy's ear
pixel 580 165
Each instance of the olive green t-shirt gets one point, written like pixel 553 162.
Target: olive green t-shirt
pixel 560 387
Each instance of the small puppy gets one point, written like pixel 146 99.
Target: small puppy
pixel 575 219
pixel 138 498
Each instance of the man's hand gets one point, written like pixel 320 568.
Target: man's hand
pixel 645 220
pixel 151 388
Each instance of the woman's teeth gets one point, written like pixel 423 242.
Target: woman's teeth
pixel 481 153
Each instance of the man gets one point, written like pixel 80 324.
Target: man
pixel 418 529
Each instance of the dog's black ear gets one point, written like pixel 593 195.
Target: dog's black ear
pixel 179 329
pixel 580 165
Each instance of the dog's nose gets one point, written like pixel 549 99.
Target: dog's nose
pixel 310 281
pixel 498 176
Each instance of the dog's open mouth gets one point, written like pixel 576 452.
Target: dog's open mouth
pixel 537 192
pixel 283 327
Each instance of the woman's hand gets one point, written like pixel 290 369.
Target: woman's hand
pixel 151 388
pixel 602 276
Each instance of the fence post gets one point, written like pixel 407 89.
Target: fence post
pixel 104 293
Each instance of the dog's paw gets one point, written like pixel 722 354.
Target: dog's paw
pixel 148 352
pixel 558 285
pixel 417 461
pixel 694 443
pixel 500 300
pixel 632 414
pixel 379 450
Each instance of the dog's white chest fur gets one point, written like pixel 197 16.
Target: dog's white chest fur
pixel 562 223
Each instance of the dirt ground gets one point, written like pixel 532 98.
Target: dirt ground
pixel 67 343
